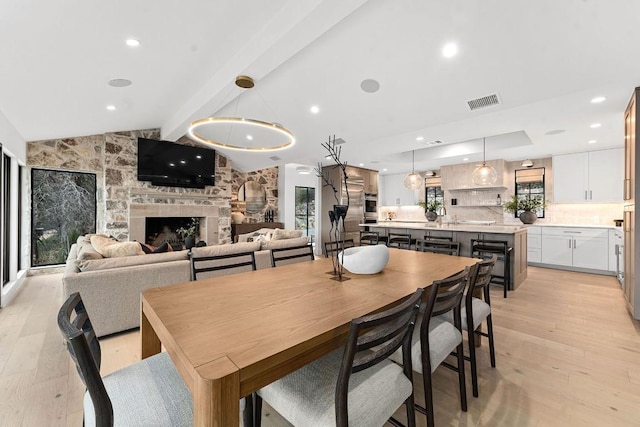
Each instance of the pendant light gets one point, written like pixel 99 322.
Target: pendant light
pixel 241 133
pixel 484 175
pixel 413 181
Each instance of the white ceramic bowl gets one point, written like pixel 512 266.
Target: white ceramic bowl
pixel 365 259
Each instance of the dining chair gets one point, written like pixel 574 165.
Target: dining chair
pixel 220 264
pixel 149 392
pixel 331 247
pixel 369 237
pixel 437 246
pixel 400 240
pixel 290 255
pixel 356 385
pixel 475 311
pixel 482 248
pixel 434 338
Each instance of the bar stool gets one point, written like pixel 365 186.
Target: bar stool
pixel 426 239
pixel 482 248
pixel 399 240
pixel 369 237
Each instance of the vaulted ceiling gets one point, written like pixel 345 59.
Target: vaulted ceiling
pixel 545 60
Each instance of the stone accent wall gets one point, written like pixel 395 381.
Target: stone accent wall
pixel 113 157
pixel 269 180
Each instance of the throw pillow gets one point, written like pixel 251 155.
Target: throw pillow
pixel 279 234
pixel 163 248
pixel 147 249
pixel 110 248
pixel 86 252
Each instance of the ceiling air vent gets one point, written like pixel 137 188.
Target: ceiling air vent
pixel 339 141
pixel 485 101
pixel 275 158
pixel 436 142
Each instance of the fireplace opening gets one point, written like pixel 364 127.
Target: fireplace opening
pixel 163 229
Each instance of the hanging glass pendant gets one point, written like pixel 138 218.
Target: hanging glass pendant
pixel 484 175
pixel 413 181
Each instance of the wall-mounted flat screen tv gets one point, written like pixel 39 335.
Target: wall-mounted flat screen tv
pixel 174 165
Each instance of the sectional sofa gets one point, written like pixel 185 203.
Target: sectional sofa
pixel 111 287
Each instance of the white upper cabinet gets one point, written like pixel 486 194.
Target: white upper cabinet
pixel 394 193
pixel 593 177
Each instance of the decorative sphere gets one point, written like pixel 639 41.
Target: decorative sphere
pixel 413 181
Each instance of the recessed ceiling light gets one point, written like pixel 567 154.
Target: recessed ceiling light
pixel 361 164
pixel 450 50
pixel 592 141
pixel 183 162
pixel 598 99
pixel 384 170
pixel 370 85
pixel 198 156
pixel 466 159
pixel 250 138
pixel 596 125
pixel 111 107
pixel 133 42
pixel 119 82
pixel 314 109
pixel 420 138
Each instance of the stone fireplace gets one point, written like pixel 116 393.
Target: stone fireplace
pixel 143 215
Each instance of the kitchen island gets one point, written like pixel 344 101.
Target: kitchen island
pixel 515 235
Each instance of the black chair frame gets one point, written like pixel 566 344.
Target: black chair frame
pixel 445 296
pixel 485 248
pixel 438 246
pixel 298 253
pixel 240 255
pixel 369 237
pixel 331 247
pixel 371 340
pixel 400 240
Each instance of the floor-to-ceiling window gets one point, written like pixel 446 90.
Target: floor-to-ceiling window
pixel 6 218
pixel 63 208
pixel 306 210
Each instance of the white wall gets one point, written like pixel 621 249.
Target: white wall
pixel 288 180
pixel 11 140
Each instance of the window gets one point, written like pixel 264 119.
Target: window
pixel 6 218
pixel 306 210
pixel 530 185
pixel 434 194
pixel 63 208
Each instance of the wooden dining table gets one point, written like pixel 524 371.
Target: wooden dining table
pixel 229 336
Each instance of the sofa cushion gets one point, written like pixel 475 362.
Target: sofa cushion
pixel 280 234
pixel 287 243
pixel 110 248
pixel 86 251
pixel 216 250
pixel 107 263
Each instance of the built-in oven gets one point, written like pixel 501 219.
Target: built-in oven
pixel 370 206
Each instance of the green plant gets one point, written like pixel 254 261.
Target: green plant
pixel 431 206
pixel 524 204
pixel 191 230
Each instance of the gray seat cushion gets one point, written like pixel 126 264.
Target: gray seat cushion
pixel 306 397
pixel 443 339
pixel 147 393
pixel 480 311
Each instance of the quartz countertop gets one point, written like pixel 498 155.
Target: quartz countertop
pixel 473 228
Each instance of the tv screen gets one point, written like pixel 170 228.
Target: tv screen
pixel 173 165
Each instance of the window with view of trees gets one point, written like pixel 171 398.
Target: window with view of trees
pixel 530 185
pixel 434 194
pixel 306 210
pixel 63 208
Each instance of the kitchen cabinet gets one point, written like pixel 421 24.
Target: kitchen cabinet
pixel 370 181
pixel 534 244
pixel 590 177
pixel 630 149
pixel 575 247
pixel 394 193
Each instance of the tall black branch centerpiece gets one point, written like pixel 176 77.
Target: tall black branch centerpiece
pixel 339 212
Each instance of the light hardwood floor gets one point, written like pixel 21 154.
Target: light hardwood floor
pixel 568 354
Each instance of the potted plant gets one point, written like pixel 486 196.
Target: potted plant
pixel 190 232
pixel 526 206
pixel 430 208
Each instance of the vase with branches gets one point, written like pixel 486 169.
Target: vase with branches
pixel 525 207
pixel 339 212
pixel 430 208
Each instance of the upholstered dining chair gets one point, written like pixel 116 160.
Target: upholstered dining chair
pixel 293 254
pixel 356 385
pixel 434 338
pixel 475 310
pixel 149 392
pixel 213 261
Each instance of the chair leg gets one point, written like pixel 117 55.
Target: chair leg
pixel 507 272
pixel 411 411
pixel 461 380
pixel 247 414
pixel 428 395
pixel 257 412
pixel 492 350
pixel 472 359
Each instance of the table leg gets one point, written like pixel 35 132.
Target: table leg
pixel 149 341
pixel 216 402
